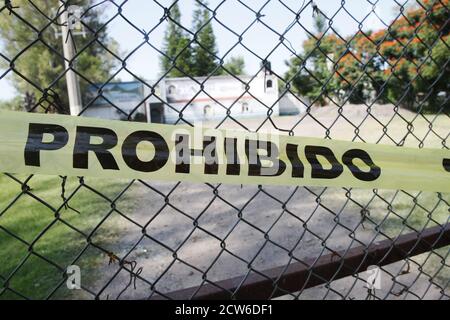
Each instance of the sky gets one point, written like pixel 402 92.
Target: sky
pixel 257 42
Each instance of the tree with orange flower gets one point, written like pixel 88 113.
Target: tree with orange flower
pixel 406 64
pixel 416 51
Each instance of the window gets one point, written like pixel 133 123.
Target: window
pixel 244 107
pixel 207 110
pixel 171 89
pixel 269 84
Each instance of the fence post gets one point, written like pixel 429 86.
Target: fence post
pixel 73 87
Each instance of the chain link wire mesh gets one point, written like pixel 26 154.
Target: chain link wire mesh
pixel 146 239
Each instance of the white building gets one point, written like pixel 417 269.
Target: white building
pixel 244 97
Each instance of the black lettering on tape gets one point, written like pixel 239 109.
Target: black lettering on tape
pixel 210 154
pixel 297 166
pixel 348 157
pixel 35 144
pixel 446 164
pixel 255 167
pixel 184 154
pixel 129 151
pixel 83 145
pixel 233 164
pixel 318 172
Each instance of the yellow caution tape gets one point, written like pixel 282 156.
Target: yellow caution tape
pixel 79 146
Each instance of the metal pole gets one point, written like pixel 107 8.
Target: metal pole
pixel 73 87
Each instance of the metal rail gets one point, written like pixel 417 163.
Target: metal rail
pixel 314 272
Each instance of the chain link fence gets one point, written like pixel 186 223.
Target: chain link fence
pixel 153 240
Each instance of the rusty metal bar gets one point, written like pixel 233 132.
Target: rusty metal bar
pixel 327 268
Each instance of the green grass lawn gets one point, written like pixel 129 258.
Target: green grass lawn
pixel 28 217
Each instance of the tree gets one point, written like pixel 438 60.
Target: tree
pixel 311 73
pixel 205 48
pixel 42 63
pixel 357 70
pixel 14 104
pixel 236 66
pixel 177 59
pixel 405 64
pixel 184 56
pixel 416 51
pixel 319 23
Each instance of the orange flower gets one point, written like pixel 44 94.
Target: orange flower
pixel 378 35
